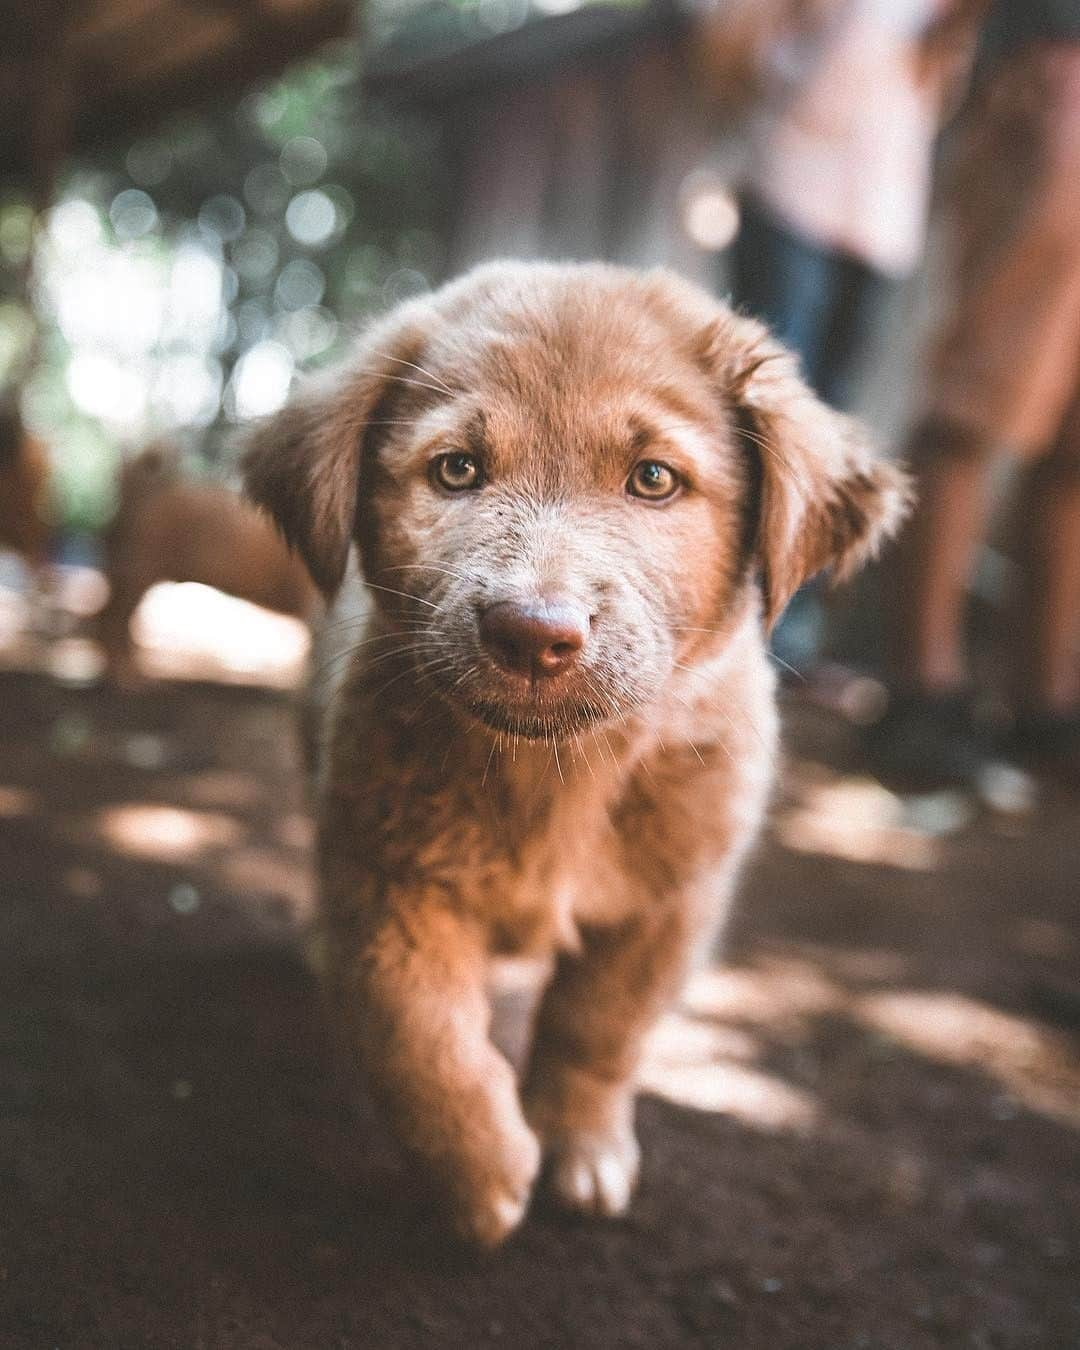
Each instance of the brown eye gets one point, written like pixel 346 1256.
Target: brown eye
pixel 457 472
pixel 653 481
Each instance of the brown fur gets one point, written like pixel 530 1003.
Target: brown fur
pixel 24 486
pixel 600 816
pixel 168 528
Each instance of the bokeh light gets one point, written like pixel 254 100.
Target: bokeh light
pixel 303 161
pixel 222 217
pixel 301 283
pixel 266 190
pixel 261 380
pixel 183 278
pixel 709 211
pixel 311 218
pixel 133 214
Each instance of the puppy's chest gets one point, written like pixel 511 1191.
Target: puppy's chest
pixel 547 870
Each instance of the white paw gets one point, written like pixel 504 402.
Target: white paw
pixel 595 1175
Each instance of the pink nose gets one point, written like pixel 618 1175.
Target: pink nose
pixel 539 638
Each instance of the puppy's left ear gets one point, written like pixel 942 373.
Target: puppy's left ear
pixel 826 500
pixel 302 465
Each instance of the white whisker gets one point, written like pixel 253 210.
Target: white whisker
pixel 385 356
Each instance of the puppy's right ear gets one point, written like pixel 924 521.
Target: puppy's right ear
pixel 302 465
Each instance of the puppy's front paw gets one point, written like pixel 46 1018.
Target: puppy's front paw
pixel 595 1174
pixel 490 1207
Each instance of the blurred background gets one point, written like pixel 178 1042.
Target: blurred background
pixel 180 237
pixel 863 1125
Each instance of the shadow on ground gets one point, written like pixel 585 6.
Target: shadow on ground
pixel 869 1133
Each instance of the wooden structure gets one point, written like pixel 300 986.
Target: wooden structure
pixel 568 137
pixel 75 72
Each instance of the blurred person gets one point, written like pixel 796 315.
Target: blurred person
pixel 1004 372
pixel 24 486
pixel 844 112
pixel 169 528
pixel 845 102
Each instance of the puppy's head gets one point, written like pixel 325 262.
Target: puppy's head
pixel 563 480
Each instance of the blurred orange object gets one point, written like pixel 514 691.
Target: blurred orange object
pixel 24 481
pixel 169 528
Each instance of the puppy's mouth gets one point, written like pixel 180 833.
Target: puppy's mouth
pixel 561 720
pixel 532 710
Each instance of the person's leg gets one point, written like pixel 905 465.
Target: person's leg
pixel 858 300
pixel 929 738
pixel 1048 674
pixel 1002 372
pixel 935 557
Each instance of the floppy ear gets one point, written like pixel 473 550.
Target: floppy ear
pixel 302 465
pixel 826 500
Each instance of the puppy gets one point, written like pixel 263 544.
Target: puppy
pixel 168 528
pixel 581 495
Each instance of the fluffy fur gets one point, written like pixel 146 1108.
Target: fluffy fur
pixel 601 815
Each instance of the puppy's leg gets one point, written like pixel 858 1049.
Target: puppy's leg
pixel 415 1003
pixel 579 1093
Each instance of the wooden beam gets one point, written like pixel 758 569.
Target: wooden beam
pixel 68 93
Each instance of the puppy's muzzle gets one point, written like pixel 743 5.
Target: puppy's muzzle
pixel 538 639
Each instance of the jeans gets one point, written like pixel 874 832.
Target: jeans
pixel 825 306
pixel 821 303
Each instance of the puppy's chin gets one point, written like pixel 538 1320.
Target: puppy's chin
pixel 516 708
pixel 552 723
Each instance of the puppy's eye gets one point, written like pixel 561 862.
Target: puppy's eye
pixel 456 472
pixel 653 481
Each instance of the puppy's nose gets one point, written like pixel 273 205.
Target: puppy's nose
pixel 539 638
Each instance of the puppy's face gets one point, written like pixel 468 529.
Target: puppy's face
pixel 561 486
pixel 568 515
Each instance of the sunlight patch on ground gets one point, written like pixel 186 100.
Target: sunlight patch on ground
pixel 181 631
pixel 692 1057
pixel 188 631
pixel 857 820
pixel 75 661
pixel 707 1066
pixel 778 992
pixel 270 874
pixel 1031 1062
pixel 757 1099
pixel 165 833
pixel 678 1039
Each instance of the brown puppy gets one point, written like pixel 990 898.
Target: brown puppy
pixel 558 733
pixel 168 528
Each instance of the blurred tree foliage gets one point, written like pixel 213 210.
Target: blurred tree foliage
pixel 183 278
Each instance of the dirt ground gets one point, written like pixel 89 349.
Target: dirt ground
pixel 864 1131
